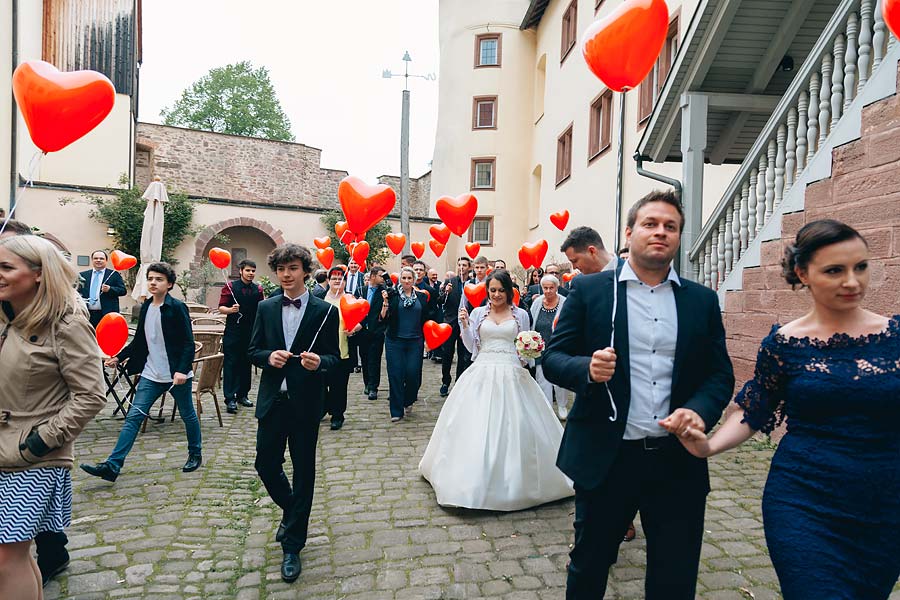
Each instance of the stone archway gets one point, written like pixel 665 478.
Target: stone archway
pixel 206 236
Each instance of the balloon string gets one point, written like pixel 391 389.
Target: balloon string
pixel 612 341
pixel 29 181
pixel 233 297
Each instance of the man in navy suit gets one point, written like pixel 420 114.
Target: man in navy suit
pixel 294 341
pixel 101 287
pixel 667 365
pixel 371 344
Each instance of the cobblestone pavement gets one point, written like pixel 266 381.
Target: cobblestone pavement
pixel 375 531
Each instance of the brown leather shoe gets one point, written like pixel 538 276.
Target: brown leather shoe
pixel 630 533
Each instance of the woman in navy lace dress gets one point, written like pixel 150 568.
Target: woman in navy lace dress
pixel 831 506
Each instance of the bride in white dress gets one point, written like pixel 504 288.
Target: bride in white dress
pixel 495 442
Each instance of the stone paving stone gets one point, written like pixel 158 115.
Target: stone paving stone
pixel 376 532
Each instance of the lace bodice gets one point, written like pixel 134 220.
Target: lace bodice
pixel 499 338
pixel 841 387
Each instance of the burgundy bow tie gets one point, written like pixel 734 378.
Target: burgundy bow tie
pixel 285 301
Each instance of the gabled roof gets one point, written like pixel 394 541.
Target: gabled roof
pixel 534 13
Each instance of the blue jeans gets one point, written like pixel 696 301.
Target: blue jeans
pixel 146 394
pixel 404 367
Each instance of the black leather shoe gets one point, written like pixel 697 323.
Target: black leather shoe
pixel 445 391
pixel 193 463
pixel 335 425
pixel 49 573
pixel 101 470
pixel 279 535
pixel 231 407
pixel 290 567
pixel 373 395
pixel 245 402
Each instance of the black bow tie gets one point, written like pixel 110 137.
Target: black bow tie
pixel 285 301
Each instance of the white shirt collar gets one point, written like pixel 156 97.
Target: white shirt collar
pixel 628 274
pixel 304 297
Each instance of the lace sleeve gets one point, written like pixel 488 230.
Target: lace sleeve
pixel 762 397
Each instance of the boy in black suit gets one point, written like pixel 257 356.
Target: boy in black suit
pixel 294 341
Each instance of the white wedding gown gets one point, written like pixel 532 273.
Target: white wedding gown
pixel 495 442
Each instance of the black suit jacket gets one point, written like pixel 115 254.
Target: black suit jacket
pixel 268 335
pixel 109 301
pixel 177 335
pixel 702 378
pixel 372 323
pixel 451 300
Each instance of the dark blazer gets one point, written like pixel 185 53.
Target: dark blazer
pixel 318 291
pixel 177 334
pixel 268 336
pixel 109 301
pixel 393 307
pixel 702 378
pixel 372 323
pixel 451 301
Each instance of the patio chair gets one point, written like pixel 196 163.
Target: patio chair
pixel 211 341
pixel 207 320
pixel 207 371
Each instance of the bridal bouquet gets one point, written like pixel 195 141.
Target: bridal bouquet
pixel 529 344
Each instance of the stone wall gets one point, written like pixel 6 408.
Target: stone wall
pixel 266 172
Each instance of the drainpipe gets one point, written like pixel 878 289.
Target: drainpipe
pixel 13 159
pixel 663 179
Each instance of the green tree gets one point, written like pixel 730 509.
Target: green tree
pixel 378 250
pixel 235 99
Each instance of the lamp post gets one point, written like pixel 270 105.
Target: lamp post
pixel 404 143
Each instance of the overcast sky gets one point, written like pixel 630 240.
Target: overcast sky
pixel 325 60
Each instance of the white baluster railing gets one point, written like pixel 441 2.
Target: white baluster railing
pixel 842 61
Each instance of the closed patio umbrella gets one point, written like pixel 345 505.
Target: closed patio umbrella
pixel 151 234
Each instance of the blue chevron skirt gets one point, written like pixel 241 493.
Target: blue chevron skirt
pixel 33 501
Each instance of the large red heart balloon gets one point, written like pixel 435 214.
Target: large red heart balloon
pixel 890 10
pixel 457 213
pixel 219 257
pixel 475 293
pixel 560 219
pixel 531 254
pixel 472 249
pixel 418 249
pixel 354 310
pixel 436 333
pixel 440 232
pixel 365 205
pixel 395 277
pixel 325 256
pixel 396 242
pixel 322 242
pixel 121 261
pixel 436 247
pixel 622 48
pixel 112 333
pixel 360 252
pixel 60 108
pixel 340 227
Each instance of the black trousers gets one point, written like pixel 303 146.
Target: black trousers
pixel 94 317
pixel 293 423
pixel 355 344
pixel 372 363
pixel 669 487
pixel 51 550
pixel 237 368
pixel 336 380
pixel 463 356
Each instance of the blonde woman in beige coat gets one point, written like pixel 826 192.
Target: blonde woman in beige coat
pixel 51 386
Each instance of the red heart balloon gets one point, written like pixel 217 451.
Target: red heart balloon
pixel 360 252
pixel 457 213
pixel 517 296
pixel 418 249
pixel 436 247
pixel 354 310
pixel 322 242
pixel 60 108
pixel 567 277
pixel 325 256
pixel 340 227
pixel 436 333
pixel 395 241
pixel 395 277
pixel 220 258
pixel 890 10
pixel 560 219
pixel 475 293
pixel 440 232
pixel 365 205
pixel 121 261
pixel 112 333
pixel 472 249
pixel 531 254
pixel 622 48
pixel 347 237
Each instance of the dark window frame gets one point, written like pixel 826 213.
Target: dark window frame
pixel 600 132
pixel 492 160
pixel 490 220
pixel 475 113
pixel 569 34
pixel 488 36
pixel 564 155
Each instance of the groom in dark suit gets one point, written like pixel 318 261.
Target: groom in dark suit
pixel 668 369
pixel 294 340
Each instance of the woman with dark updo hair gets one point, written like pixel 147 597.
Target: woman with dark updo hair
pixel 831 506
